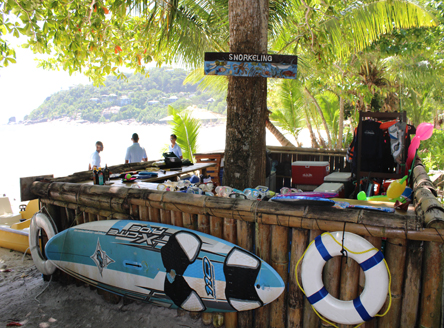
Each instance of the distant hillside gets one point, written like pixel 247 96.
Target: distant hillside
pixel 143 99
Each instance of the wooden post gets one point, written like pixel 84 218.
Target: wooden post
pixel 203 225
pixel 230 235
pixel 279 261
pixel 395 257
pixel 263 241
pixel 295 307
pixel 410 301
pixel 310 318
pixel 377 243
pixel 245 236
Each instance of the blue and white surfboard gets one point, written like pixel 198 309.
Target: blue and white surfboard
pixel 166 265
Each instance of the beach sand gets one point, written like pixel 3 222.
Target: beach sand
pixel 60 305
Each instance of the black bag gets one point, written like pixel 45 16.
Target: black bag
pixel 171 160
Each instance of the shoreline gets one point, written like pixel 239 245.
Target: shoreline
pixel 131 122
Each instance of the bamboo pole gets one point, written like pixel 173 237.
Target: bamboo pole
pixel 165 217
pixel 92 217
pixel 216 230
pixel 216 227
pixel 279 261
pixel 143 213
pixel 216 206
pixel 332 279
pixel 410 301
pixel 295 307
pixel 134 211
pixel 87 210
pixel 395 256
pixel 245 236
pixel 392 226
pixel 310 320
pixel 263 242
pixel 203 225
pixel 154 214
pixel 350 271
pixel 229 234
pixel 377 243
pixel 189 221
pixel 176 218
pixel 432 280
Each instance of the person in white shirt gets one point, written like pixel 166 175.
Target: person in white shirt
pixel 174 147
pixel 94 159
pixel 135 153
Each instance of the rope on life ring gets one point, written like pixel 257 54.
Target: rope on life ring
pixel 41 221
pixel 377 278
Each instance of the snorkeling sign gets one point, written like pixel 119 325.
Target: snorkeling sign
pixel 251 65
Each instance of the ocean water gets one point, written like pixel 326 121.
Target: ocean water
pixel 62 148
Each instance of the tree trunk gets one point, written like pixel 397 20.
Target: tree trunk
pixel 341 122
pixel 279 136
pixel 314 142
pixel 324 122
pixel 246 98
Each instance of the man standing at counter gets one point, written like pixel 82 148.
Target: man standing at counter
pixel 94 160
pixel 174 147
pixel 135 153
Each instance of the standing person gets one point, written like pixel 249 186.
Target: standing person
pixel 94 159
pixel 135 153
pixel 174 147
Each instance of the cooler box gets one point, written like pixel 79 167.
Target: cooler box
pixel 342 177
pixel 332 187
pixel 309 173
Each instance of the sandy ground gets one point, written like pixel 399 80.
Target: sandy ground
pixel 70 306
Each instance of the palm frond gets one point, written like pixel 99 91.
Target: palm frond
pixel 186 129
pixel 207 82
pixel 360 25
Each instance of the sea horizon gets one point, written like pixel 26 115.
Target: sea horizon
pixel 61 148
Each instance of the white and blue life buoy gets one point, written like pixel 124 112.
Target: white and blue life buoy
pixel 41 221
pixel 365 306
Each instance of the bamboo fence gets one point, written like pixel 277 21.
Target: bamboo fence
pixel 279 234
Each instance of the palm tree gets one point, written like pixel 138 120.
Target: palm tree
pixel 186 129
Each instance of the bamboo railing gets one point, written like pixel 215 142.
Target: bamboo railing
pixel 279 234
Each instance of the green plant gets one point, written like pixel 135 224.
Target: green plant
pixel 186 129
pixel 432 152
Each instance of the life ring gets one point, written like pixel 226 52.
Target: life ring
pixel 41 221
pixel 365 306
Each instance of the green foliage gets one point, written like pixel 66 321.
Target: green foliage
pixel 329 104
pixel 186 129
pixel 431 151
pixel 149 98
pixel 289 116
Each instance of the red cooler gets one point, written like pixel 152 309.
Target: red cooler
pixel 309 173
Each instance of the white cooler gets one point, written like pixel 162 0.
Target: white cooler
pixel 332 187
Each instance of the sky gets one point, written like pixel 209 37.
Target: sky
pixel 24 87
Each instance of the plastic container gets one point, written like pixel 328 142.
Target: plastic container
pixel 334 187
pixel 309 173
pixel 341 177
